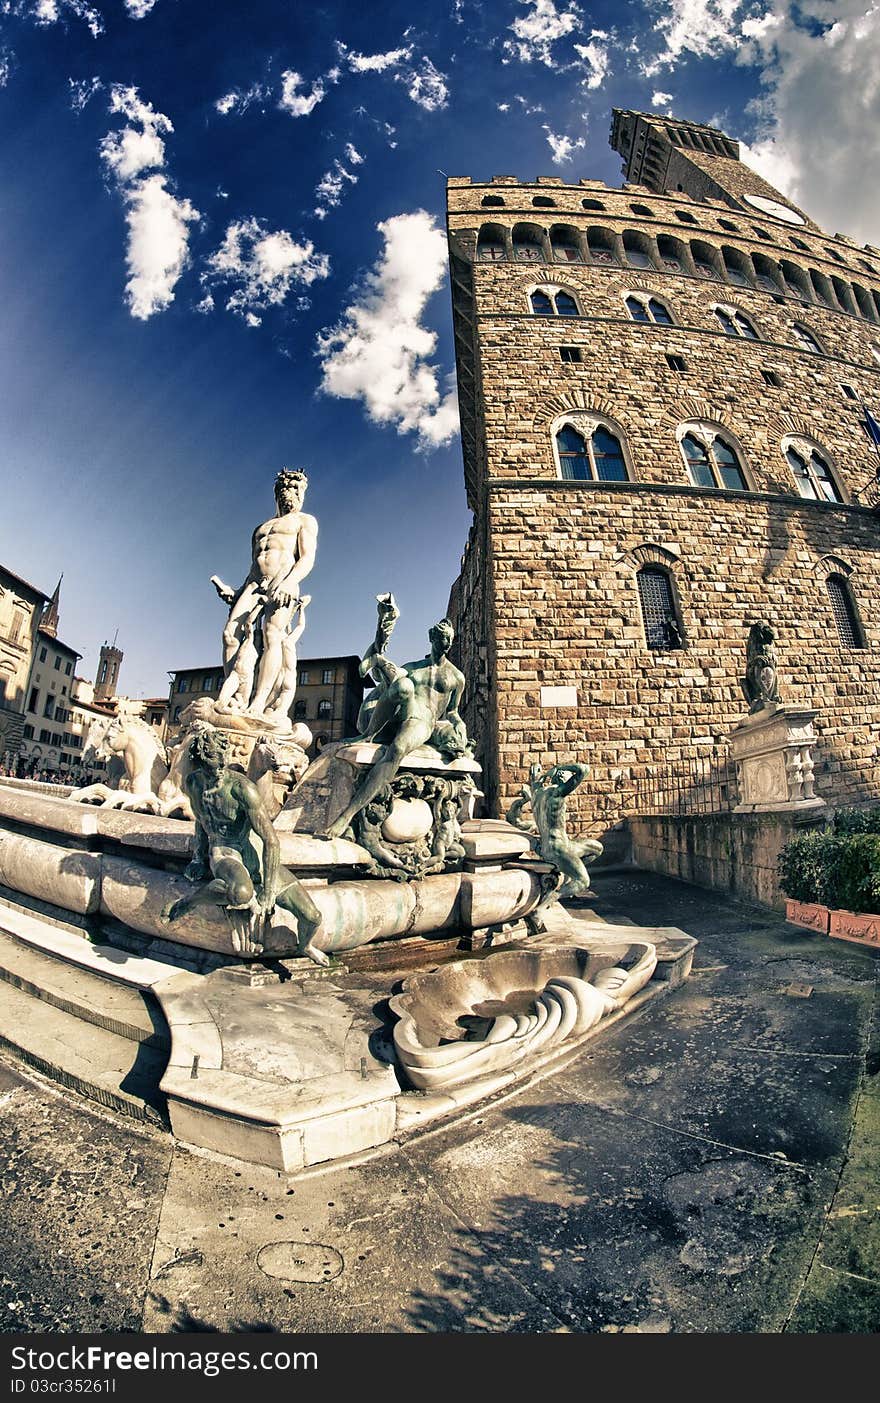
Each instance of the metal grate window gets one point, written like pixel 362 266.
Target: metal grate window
pixel 848 629
pixel 658 610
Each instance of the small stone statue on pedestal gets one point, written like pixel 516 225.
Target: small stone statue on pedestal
pixel 761 682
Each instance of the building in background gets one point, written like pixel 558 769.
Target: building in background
pixel 107 676
pixel 21 610
pixel 328 697
pixel 663 394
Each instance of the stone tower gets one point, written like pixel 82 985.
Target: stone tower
pixel 108 672
pixel 663 392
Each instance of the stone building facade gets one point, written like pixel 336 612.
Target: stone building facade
pixel 21 610
pixel 328 696
pixel 663 392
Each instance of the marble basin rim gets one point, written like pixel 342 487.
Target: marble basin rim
pixel 472 1017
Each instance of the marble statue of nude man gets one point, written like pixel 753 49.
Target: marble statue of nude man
pixel 283 553
pixel 413 705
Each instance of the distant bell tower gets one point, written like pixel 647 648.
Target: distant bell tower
pixel 666 154
pixel 50 620
pixel 108 672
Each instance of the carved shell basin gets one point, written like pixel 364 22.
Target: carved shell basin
pixel 474 1017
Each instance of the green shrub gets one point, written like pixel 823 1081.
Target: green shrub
pixel 864 820
pixel 841 872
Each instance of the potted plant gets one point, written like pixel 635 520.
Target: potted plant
pixel 832 880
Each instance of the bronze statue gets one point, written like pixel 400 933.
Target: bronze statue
pixel 236 855
pixel 411 706
pixel 547 796
pixel 761 682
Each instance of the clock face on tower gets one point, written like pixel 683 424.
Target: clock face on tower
pixel 774 209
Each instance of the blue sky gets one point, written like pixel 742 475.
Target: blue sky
pixel 223 253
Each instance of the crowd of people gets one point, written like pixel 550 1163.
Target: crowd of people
pixel 24 767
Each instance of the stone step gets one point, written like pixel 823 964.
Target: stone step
pixel 98 984
pixel 83 1056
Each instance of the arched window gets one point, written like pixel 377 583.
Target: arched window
pixel 812 474
pixel 663 629
pixel 595 456
pixel 299 711
pixel 822 288
pixel 735 323
pixel 527 244
pixel 643 211
pixel 849 630
pixel 767 274
pixel 636 250
pixel 796 281
pixel 543 202
pixel 799 243
pixel 490 244
pixel 325 708
pixel 490 200
pixel 643 308
pixel 550 302
pixel 735 267
pixel 671 253
pixel 685 216
pixel 705 257
pixel 592 204
pixel 729 225
pixel 601 246
pixel 565 243
pixel 711 460
pixel 806 340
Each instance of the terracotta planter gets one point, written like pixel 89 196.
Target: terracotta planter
pixel 805 913
pixel 862 928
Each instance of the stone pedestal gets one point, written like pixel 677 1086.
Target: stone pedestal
pixel 772 750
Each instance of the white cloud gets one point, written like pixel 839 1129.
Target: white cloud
pixel 82 90
pixel 300 104
pixel 332 183
pixel 7 63
pixel 157 220
pixel 659 99
pixel 562 146
pixel 131 151
pixel 595 59
pixel 50 11
pixel 374 63
pixel 537 32
pixel 426 86
pixel 379 352
pixel 701 27
pixel 504 107
pixel 528 107
pixel 238 100
pixel 139 9
pixel 819 120
pixel 157 244
pixel 261 266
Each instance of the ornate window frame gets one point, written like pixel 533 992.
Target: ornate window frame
pixel 586 422
pixel 551 289
pixel 833 567
pixel 805 446
pixel 800 331
pixel 731 311
pixel 705 431
pixel 645 298
pixel 650 555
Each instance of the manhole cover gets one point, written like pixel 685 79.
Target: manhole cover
pixel 300 1261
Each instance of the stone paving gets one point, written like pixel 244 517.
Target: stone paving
pixel 708 1165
